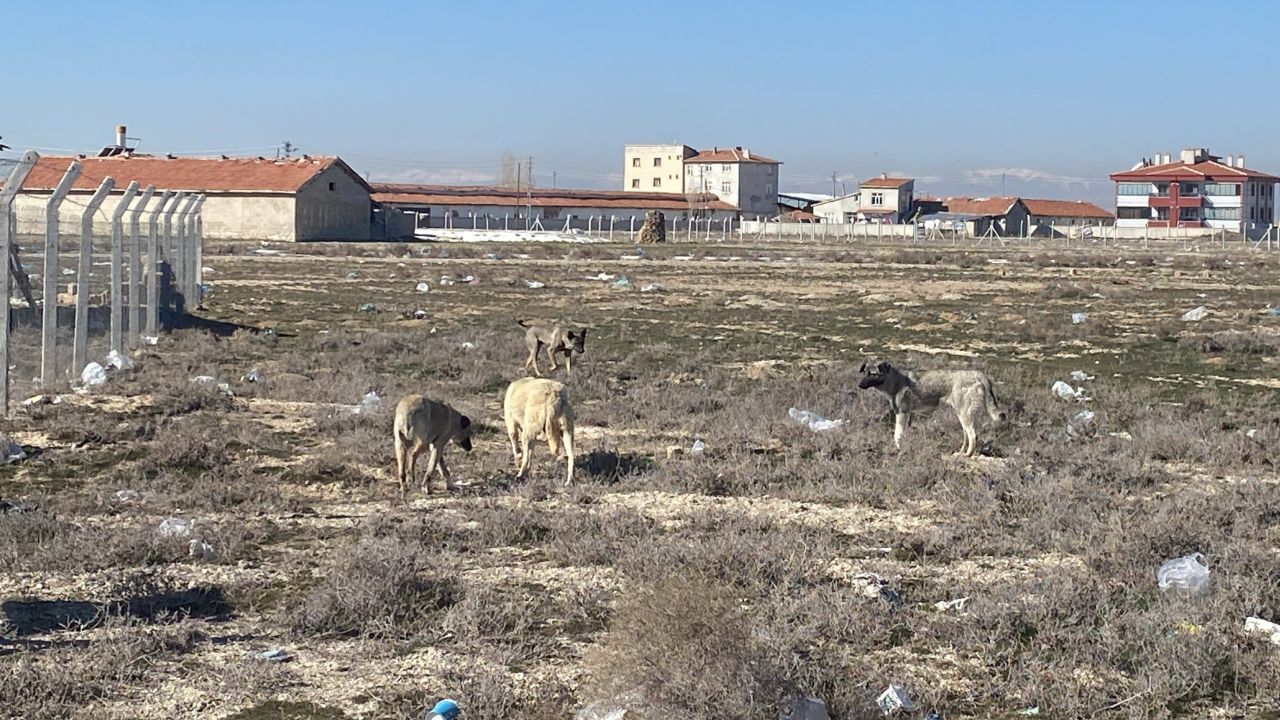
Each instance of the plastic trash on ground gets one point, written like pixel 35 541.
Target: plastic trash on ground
pixel 275 655
pixel 604 276
pixel 254 376
pixel 119 361
pixel 353 275
pixel 368 307
pixel 1194 314
pixel 12 451
pixel 1081 376
pixel 468 345
pixel 1079 317
pixel 895 699
pixel 420 314
pixel 150 340
pixel 1082 424
pixel 423 287
pixel 369 403
pixel 175 527
pixel 651 287
pixel 816 422
pixel 446 281
pixel 957 604
pixel 534 284
pixel 1188 574
pixel 1065 392
pixel 127 496
pixel 621 283
pixel 1263 628
pixel 698 448
pixel 200 550
pixel 93 374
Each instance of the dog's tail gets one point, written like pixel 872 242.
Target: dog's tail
pixel 993 407
pixel 522 323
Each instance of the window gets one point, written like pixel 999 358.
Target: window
pixel 1220 189
pixel 1215 213
pixel 768 188
pixel 1133 189
pixel 657 162
pixel 1133 213
pixel 1162 190
pixel 1252 190
pixel 706 168
pixel 726 187
pixel 1251 214
pixel 688 171
pixel 1188 190
pixel 657 182
pixel 635 183
pixel 1188 214
pixel 877 198
pixel 724 168
pixel 331 187
pixel 635 162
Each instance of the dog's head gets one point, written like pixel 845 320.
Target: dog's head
pixel 874 373
pixel 462 436
pixel 579 340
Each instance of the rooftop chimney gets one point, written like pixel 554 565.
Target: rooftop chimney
pixel 120 136
pixel 1231 161
pixel 747 153
pixel 1240 161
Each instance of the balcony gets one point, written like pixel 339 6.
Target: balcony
pixel 1183 201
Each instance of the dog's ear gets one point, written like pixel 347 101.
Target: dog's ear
pixel 465 422
pixel 862 368
pixel 571 335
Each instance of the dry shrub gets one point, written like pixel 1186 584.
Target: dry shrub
pixel 377 589
pixel 41 541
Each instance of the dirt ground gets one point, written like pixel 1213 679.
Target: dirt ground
pixel 828 553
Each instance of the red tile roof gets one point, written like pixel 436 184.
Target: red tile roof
pixel 995 206
pixel 404 194
pixel 729 155
pixel 1066 208
pixel 206 175
pixel 884 182
pixel 1211 169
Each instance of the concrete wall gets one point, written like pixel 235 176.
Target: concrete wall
pixel 669 175
pixel 333 206
pixel 226 217
pixel 552 218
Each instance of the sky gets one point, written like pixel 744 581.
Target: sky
pixel 1039 99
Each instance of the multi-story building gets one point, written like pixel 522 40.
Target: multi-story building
pixel 883 199
pixel 737 176
pixel 1197 190
pixel 654 168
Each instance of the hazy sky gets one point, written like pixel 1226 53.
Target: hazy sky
pixel 1052 95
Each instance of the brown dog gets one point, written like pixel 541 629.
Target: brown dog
pixel 421 425
pixel 555 339
pixel 533 407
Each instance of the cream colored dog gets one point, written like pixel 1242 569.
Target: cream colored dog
pixel 533 407
pixel 421 425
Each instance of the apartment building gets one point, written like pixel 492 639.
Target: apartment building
pixel 879 199
pixel 654 168
pixel 1197 190
pixel 744 179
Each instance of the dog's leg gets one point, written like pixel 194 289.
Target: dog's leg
pixel 567 437
pixel 444 473
pixel 551 355
pixel 513 434
pixel 400 465
pixel 568 362
pixel 533 359
pixel 526 456
pixel 901 421
pixel 414 452
pixel 433 457
pixel 970 439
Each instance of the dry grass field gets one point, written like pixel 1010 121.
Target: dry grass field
pixel 711 585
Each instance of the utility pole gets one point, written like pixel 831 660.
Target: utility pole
pixel 528 175
pixel 553 179
pixel 517 195
pixel 1001 184
pixel 289 149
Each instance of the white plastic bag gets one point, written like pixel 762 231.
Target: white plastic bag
pixel 1188 574
pixel 119 361
pixel 423 287
pixel 93 374
pixel 1194 314
pixel 370 403
pixel 816 422
pixel 175 527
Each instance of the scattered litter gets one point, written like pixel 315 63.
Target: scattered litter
pixel 150 340
pixel 698 448
pixel 1258 626
pixel 1066 392
pixel 651 287
pixel 895 699
pixel 8 508
pixel 470 280
pixel 175 527
pixel 353 275
pixel 368 307
pixel 1122 435
pixel 933 715
pixel 269 333
pixel 68 271
pixel 13 452
pixel 1274 312
pixel 202 379
pixel 446 281
pixel 957 604
pixel 1251 433
pixel 534 284
pixel 1033 710
pixel 370 403
pixel 1194 314
pixel 207 380
pixel 604 276
pixel 207 269
pixel 127 496
pixel 423 287
pixel 266 251
pixel 37 400
pixel 1082 424
pixel 118 361
pixel 275 655
pixel 875 586
pixel 93 374
pixel 1081 376
pixel 1079 317
pixel 492 256
pixel 468 345
pixel 1188 574
pixel 200 550
pixel 621 283
pixel 816 422
pixel 419 314
pixel 254 376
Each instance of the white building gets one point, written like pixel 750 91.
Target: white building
pixel 1197 190
pixel 737 176
pixel 654 168
pixel 882 199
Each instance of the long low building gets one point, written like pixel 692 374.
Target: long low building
pixel 308 198
pixel 484 206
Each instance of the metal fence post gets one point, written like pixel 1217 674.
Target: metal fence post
pixel 154 261
pixel 134 302
pixel 117 267
pixel 80 337
pixel 49 313
pixel 7 196
pixel 188 253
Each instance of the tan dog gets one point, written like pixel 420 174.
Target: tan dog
pixel 969 392
pixel 533 407
pixel 555 339
pixel 421 425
